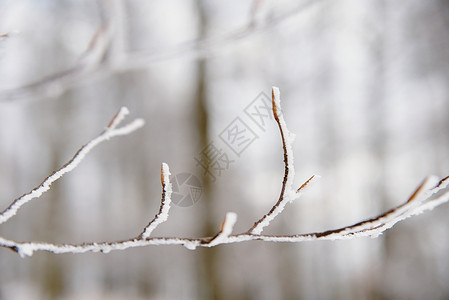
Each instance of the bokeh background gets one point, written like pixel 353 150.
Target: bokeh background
pixel 364 87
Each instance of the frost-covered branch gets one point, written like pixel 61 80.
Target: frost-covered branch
pixel 430 194
pixel 55 84
pixel 288 194
pixel 110 132
pixel 91 60
pixel 97 60
pixel 4 36
pixel 226 229
pixel 162 215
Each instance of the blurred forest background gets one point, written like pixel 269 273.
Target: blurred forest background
pixel 364 87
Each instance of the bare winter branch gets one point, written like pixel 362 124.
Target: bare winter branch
pixel 162 215
pixel 92 61
pixel 110 132
pixel 4 36
pixel 430 194
pixel 287 192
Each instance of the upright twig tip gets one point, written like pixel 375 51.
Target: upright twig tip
pixel 165 173
pixel 276 97
pixel 225 230
pixel 124 110
pixel 164 209
pixel 118 118
pixel 229 221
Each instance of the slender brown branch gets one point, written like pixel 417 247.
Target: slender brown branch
pixel 430 194
pixel 287 193
pixel 372 227
pixel 303 186
pixel 162 215
pixel 4 36
pixel 108 133
pixel 92 61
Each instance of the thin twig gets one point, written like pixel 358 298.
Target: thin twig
pixel 373 229
pixel 4 36
pixel 92 62
pixel 287 192
pixel 225 231
pixel 430 194
pixel 110 132
pixel 162 215
pixel 306 184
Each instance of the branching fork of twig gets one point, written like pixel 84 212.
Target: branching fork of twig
pixel 430 194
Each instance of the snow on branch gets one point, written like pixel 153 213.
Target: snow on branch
pixel 162 215
pixel 288 194
pixel 98 59
pixel 93 60
pixel 110 132
pixel 430 194
pixel 225 231
pixel 4 36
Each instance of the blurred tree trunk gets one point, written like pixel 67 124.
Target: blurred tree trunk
pixel 209 282
pixel 52 228
pixel 52 279
pixel 378 135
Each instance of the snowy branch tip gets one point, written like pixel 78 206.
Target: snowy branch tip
pixel 162 215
